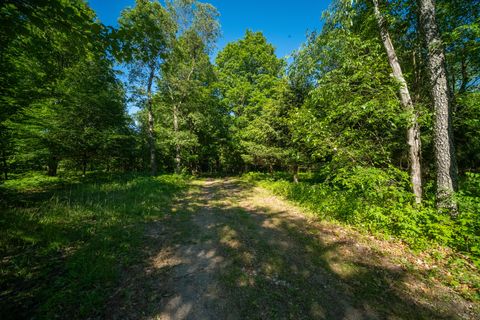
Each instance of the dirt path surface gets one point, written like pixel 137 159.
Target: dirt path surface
pixel 230 250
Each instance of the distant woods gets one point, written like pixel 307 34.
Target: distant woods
pixel 389 85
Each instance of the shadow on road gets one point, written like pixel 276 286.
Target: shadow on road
pixel 228 252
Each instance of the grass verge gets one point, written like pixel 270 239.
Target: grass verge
pixel 381 211
pixel 64 242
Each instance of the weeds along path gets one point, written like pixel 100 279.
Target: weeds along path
pixel 230 250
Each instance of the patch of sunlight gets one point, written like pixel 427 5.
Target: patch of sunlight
pixel 245 279
pixel 317 311
pixel 274 266
pixel 344 270
pixel 55 245
pixel 304 273
pixel 229 238
pixel 248 258
pixel 272 223
pixel 25 237
pixel 176 308
pixel 243 282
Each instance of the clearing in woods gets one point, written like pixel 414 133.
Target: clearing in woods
pixel 230 250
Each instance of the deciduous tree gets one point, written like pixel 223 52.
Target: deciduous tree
pixel 145 33
pixel 445 157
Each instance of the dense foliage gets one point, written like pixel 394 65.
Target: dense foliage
pixel 61 100
pixel 379 201
pixel 332 111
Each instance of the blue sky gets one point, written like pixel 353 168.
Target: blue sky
pixel 283 22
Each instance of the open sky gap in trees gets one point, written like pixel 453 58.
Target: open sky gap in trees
pixel 285 24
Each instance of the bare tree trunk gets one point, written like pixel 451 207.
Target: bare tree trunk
pixel 413 131
pixel 443 135
pixel 84 165
pixel 52 166
pixel 151 125
pixel 5 165
pixel 176 108
pixel 295 173
pixel 465 78
pixel 178 160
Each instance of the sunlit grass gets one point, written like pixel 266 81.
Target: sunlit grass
pixel 64 244
pixel 437 237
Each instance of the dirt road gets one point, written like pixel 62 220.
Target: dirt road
pixel 230 250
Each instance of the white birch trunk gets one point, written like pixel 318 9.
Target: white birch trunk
pixel 413 131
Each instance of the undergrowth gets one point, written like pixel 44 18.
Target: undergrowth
pixel 64 241
pixel 379 201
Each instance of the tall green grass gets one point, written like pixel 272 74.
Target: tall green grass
pixel 64 241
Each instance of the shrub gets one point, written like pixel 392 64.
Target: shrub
pixel 380 200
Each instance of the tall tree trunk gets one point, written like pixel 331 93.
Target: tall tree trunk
pixel 176 110
pixel 151 124
pixel 465 78
pixel 178 160
pixel 5 165
pixel 52 166
pixel 295 173
pixel 413 131
pixel 84 165
pixel 443 134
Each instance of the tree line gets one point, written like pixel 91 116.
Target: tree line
pixel 390 85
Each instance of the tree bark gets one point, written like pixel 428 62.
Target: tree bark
pixel 151 124
pixel 84 165
pixel 295 173
pixel 413 130
pixel 5 165
pixel 178 160
pixel 443 134
pixel 52 166
pixel 176 108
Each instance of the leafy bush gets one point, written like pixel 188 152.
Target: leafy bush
pixel 467 225
pixel 380 200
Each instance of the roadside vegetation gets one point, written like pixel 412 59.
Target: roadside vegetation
pixel 372 123
pixel 382 207
pixel 380 202
pixel 66 240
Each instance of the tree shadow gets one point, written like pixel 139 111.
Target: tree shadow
pixel 63 249
pixel 219 258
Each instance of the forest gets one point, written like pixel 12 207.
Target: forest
pixel 123 148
